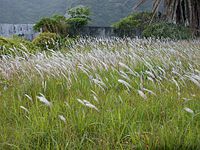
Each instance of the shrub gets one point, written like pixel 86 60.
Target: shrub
pixel 167 30
pixel 55 24
pixel 135 21
pixel 16 46
pixel 5 45
pixel 28 44
pixel 47 40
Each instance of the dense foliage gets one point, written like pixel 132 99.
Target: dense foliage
pixel 150 26
pixel 79 12
pixel 167 30
pixel 135 21
pixel 16 45
pixel 47 40
pixel 55 24
pixel 78 17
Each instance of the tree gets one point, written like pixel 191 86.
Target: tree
pixel 79 12
pixel 185 12
pixel 79 17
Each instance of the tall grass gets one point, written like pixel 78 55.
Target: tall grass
pixel 103 94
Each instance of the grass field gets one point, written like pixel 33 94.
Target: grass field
pixel 102 94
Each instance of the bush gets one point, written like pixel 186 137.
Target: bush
pixel 16 46
pixel 47 40
pixel 167 30
pixel 135 21
pixel 55 24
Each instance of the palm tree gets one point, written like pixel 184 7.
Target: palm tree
pixel 185 12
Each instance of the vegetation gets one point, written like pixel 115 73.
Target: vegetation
pixel 103 94
pixel 79 12
pixel 55 24
pixel 185 12
pixel 16 45
pixel 167 30
pixel 47 40
pixel 79 17
pixel 178 17
pixel 136 21
pixel 155 27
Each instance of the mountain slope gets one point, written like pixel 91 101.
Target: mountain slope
pixel 104 12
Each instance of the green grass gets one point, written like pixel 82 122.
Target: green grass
pixel 124 120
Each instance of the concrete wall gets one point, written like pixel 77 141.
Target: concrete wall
pixel 107 32
pixel 26 30
pixel 97 31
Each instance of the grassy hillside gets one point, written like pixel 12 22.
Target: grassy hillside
pixel 104 12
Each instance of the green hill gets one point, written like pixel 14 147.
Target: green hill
pixel 104 12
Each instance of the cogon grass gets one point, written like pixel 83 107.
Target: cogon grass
pixel 44 100
pixel 103 93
